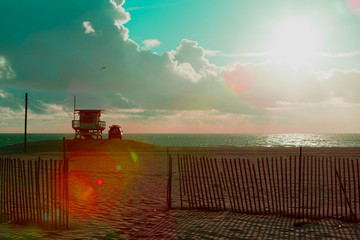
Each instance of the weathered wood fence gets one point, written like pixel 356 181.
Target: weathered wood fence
pixel 34 192
pixel 299 187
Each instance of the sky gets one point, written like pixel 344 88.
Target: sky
pixel 185 66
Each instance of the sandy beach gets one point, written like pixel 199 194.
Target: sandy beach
pixel 118 191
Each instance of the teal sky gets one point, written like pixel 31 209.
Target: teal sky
pixel 236 27
pixel 182 66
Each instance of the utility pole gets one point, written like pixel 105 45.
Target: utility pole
pixel 74 106
pixel 26 107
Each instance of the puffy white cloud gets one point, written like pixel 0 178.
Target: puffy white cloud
pixel 121 17
pixel 88 27
pixel 150 43
pixel 189 53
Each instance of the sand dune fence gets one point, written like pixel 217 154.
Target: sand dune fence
pixel 34 192
pixel 300 187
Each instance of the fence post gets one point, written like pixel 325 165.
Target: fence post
pixel 299 182
pixel 169 181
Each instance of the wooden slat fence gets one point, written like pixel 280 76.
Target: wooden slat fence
pixel 308 187
pixel 34 192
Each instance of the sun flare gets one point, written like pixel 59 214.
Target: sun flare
pixel 295 41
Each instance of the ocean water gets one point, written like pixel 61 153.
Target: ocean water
pixel 209 140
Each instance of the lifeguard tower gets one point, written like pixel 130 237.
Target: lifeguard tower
pixel 89 125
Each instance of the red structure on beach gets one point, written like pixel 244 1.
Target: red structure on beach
pixel 89 125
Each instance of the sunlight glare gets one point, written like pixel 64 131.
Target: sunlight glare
pixel 295 41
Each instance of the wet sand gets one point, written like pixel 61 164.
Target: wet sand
pixel 130 200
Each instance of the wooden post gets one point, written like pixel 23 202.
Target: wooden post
pixel 244 187
pixel 257 187
pixel 26 196
pixel 1 188
pixel 47 215
pixel 51 194
pixel 12 184
pixel 55 196
pixel 349 181
pixel 247 186
pixel 29 194
pixel 180 184
pixel 66 178
pixel 16 182
pixel 354 186
pixel 167 169
pixel 169 181
pixel 184 180
pixel 195 182
pixel 308 192
pixel 216 185
pixel 238 183
pixel 201 184
pixel 336 190
pixel 274 187
pixel 208 184
pixel 344 185
pixel 287 188
pixel 232 176
pixel 339 168
pixel 278 186
pixel 226 187
pixel 328 188
pixel 38 170
pixel 226 183
pixel 266 185
pixel 221 189
pixel 299 183
pixel 60 195
pixel 303 188
pixel 8 190
pixel 43 191
pixel 67 193
pixel 191 185
pixel 323 183
pixel 270 187
pixel 252 186
pixel 63 174
pixel 33 193
pixel 358 180
pixel 332 187
pixel 232 185
pixel 317 180
pixel 292 204
pixel 26 108
pixel 207 181
pixel 282 186
pixel 21 193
